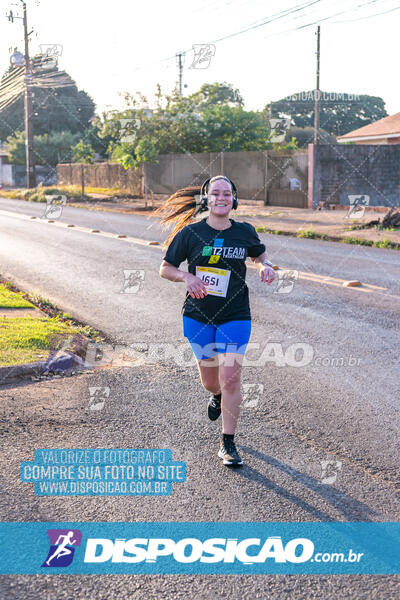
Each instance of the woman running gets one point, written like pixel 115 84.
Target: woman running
pixel 216 311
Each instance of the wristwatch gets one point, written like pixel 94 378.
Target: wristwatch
pixel 267 263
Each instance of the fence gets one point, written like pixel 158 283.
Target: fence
pixel 258 175
pixel 102 175
pixel 269 177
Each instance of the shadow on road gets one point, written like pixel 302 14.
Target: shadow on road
pixel 351 509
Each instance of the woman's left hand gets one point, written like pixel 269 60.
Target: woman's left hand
pixel 267 274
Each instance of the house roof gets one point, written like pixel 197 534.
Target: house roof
pixel 386 127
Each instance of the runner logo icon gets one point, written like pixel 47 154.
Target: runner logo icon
pixel 62 547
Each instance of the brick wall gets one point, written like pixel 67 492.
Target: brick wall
pixel 337 171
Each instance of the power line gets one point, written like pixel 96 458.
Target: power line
pixel 11 89
pixel 339 13
pixel 369 16
pixel 254 25
pixel 9 79
pixel 317 8
pixel 295 28
pixel 7 102
pixel 12 85
pixel 276 17
pixel 318 20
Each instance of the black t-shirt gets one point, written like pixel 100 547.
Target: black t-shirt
pixel 217 257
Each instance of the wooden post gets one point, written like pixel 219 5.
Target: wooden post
pixel 83 179
pixel 144 184
pixel 266 179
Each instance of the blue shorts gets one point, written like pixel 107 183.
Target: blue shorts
pixel 208 340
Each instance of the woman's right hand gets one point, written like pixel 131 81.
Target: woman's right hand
pixel 195 286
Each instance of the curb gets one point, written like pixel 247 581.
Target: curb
pixel 65 360
pixel 22 371
pixel 64 363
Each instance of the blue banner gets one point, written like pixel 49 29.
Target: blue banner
pixel 200 548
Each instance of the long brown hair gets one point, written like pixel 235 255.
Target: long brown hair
pixel 180 208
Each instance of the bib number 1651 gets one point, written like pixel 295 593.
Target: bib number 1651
pixel 210 279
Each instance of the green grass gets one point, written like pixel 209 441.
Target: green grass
pixel 34 195
pixel 386 244
pixel 362 242
pixel 73 192
pixel 113 192
pixel 310 234
pixel 43 301
pixel 313 235
pixel 39 194
pixel 27 339
pixel 375 227
pixel 359 241
pixel 9 299
pixel 307 233
pixel 379 228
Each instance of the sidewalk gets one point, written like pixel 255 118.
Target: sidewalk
pixel 332 224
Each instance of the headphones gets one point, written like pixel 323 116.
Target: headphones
pixel 204 195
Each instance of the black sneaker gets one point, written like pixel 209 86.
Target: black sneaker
pixel 229 454
pixel 214 407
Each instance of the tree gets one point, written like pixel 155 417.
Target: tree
pixel 305 136
pixel 83 153
pixel 92 136
pixel 180 124
pixel 340 112
pixel 50 149
pixel 55 108
pixel 217 93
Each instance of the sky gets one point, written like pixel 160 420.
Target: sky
pixel 123 46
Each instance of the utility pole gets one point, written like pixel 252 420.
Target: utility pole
pixel 317 93
pixel 30 157
pixel 179 56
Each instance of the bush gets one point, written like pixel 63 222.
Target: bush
pixel 386 244
pixel 307 233
pixel 360 241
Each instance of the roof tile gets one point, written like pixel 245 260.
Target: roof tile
pixel 385 126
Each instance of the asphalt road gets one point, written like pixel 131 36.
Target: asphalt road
pixel 343 405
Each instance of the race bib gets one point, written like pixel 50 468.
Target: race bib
pixel 217 279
